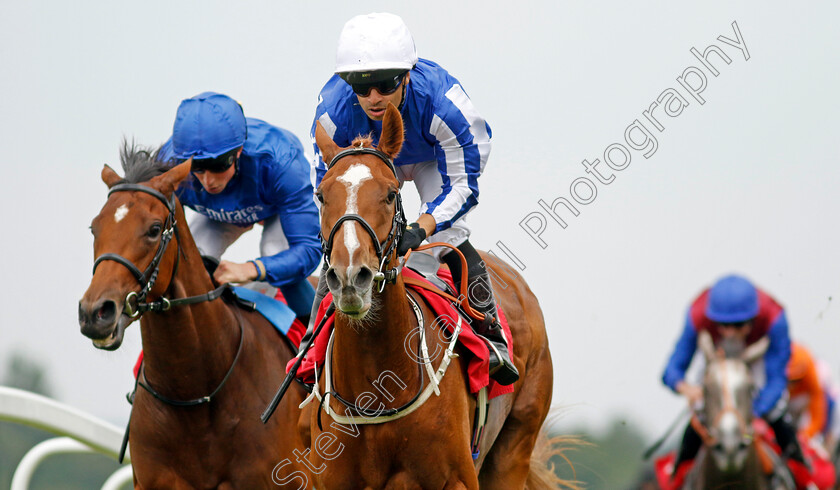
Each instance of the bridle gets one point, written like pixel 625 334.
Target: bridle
pixel 147 280
pixel 148 277
pixel 398 223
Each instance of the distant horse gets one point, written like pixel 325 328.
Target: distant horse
pixel 733 455
pixel 418 445
pixel 208 365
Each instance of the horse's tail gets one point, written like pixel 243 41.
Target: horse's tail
pixel 542 475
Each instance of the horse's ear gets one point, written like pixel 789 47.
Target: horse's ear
pixel 707 347
pixel 327 146
pixel 166 183
pixel 109 176
pixel 392 136
pixel 756 350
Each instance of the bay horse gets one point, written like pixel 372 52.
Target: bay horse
pixel 423 445
pixel 733 455
pixel 208 364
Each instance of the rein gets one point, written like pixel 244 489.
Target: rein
pixel 147 280
pixel 204 399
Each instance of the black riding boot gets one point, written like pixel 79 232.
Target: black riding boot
pixel 786 438
pixel 689 447
pixel 481 299
pixel 320 292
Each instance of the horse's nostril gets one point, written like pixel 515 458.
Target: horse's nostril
pixel 363 279
pixel 106 312
pixel 333 281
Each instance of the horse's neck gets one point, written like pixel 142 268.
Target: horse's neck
pixel 188 349
pixel 363 354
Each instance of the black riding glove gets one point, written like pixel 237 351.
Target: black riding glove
pixel 412 237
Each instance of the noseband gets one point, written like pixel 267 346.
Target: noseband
pixel 148 277
pixel 398 223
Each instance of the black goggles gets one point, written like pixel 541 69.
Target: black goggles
pixel 213 165
pixel 735 325
pixel 384 87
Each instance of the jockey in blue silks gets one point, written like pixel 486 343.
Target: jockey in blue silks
pixel 446 147
pixel 733 308
pixel 246 171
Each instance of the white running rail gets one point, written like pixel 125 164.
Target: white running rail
pixel 82 433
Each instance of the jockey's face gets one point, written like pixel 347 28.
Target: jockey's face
pixel 374 103
pixel 215 182
pixel 735 330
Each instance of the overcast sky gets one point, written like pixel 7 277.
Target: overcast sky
pixel 744 182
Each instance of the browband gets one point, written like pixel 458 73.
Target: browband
pixel 370 151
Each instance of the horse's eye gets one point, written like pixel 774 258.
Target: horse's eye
pixel 320 197
pixel 391 196
pixel 154 230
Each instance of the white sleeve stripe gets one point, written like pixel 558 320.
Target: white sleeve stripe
pixel 328 124
pixel 478 126
pixel 329 127
pixel 455 171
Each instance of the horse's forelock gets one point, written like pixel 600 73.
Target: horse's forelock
pixel 365 141
pixel 140 163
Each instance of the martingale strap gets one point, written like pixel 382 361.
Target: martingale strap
pixel 435 377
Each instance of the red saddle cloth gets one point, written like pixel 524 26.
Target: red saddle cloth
pixel 477 364
pixel 821 475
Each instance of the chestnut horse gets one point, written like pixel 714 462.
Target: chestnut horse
pixel 418 445
pixel 208 365
pixel 732 453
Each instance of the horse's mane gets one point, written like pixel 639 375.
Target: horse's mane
pixel 140 163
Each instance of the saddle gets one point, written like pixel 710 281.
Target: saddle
pixel 447 315
pixel 422 280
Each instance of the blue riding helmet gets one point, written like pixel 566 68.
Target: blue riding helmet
pixel 732 299
pixel 208 125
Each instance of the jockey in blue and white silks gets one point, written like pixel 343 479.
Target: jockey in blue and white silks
pixel 441 126
pixel 246 171
pixel 446 147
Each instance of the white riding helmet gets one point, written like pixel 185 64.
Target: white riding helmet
pixel 373 42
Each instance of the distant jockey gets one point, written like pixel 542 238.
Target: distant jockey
pixel 735 309
pixel 446 147
pixel 813 395
pixel 246 171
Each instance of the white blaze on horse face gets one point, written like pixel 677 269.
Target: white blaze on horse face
pixel 121 212
pixel 352 180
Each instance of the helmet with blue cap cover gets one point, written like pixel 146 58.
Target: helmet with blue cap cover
pixel 208 126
